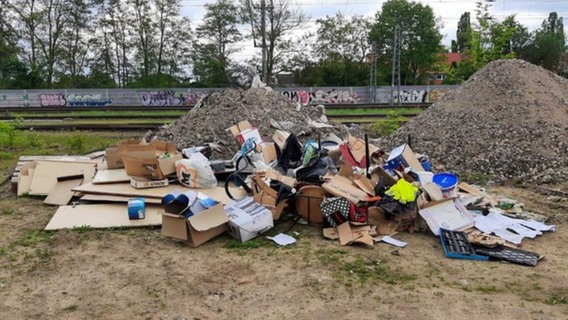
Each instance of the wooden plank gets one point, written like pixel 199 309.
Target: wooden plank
pixel 102 216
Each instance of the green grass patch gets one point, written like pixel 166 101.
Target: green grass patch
pixel 557 299
pixel 255 243
pixel 32 238
pixel 487 289
pixel 104 113
pixel 364 111
pixel 372 271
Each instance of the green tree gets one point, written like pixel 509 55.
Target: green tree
pixel 341 48
pixel 420 39
pixel 217 34
pixel 279 21
pixel 548 45
pixel 463 33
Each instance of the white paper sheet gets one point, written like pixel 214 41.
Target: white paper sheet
pixel 393 241
pixel 283 239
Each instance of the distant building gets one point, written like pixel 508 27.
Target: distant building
pixel 450 58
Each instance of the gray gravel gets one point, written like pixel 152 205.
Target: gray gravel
pixel 507 123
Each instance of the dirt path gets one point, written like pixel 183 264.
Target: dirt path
pixel 138 274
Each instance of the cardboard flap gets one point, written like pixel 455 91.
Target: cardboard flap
pixel 434 192
pixel 213 217
pixel 352 232
pixel 365 184
pixel 330 233
pixel 342 187
pixel 239 127
pixel 275 175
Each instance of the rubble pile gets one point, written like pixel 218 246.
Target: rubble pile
pixel 264 109
pixel 508 122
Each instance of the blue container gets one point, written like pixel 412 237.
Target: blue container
pixel 425 162
pixel 136 208
pixel 448 183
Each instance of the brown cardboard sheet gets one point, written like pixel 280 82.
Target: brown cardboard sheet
pixel 110 198
pixel 46 174
pixel 110 176
pixel 61 193
pixel 101 216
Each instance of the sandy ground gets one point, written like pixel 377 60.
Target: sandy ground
pixel 139 274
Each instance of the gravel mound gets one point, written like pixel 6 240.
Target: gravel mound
pixel 508 122
pixel 264 109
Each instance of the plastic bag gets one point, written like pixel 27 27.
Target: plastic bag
pixel 196 172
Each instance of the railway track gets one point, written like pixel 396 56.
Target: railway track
pixel 66 118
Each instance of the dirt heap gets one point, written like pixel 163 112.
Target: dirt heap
pixel 507 122
pixel 265 109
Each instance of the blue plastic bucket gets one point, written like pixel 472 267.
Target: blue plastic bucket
pixel 136 208
pixel 448 183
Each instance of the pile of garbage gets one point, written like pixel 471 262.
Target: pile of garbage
pixel 507 122
pixel 267 110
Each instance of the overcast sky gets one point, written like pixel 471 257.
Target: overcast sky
pixel 529 13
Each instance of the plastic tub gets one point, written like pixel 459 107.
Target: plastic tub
pixel 448 183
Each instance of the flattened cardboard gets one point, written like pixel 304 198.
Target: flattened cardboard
pixel 126 190
pixel 365 184
pixel 275 175
pixel 197 229
pixel 378 173
pixel 26 177
pixel 352 232
pixel 468 188
pixel 101 216
pixel 449 214
pixel 46 173
pixel 239 127
pixel 378 218
pixel 342 187
pixel 331 233
pixel 61 193
pixel 109 198
pixel 110 176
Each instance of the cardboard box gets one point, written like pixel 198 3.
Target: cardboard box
pixel 155 160
pixel 340 186
pixel 243 130
pixel 143 183
pixel 113 157
pixel 248 219
pixel 198 228
pixel 403 156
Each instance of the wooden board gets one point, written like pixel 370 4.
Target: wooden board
pixel 110 176
pixel 126 190
pixel 46 173
pixel 101 216
pixel 109 198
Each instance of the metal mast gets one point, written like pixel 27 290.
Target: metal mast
pixel 373 76
pixel 396 66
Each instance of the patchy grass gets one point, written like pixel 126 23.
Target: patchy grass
pixel 32 238
pixel 556 299
pixel 242 247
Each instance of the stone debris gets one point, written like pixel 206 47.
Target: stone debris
pixel 264 109
pixel 507 123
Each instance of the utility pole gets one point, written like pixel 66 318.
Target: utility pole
pixel 263 31
pixel 373 77
pixel 396 65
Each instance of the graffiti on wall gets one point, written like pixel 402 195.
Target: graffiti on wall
pixel 161 98
pixel 411 96
pixel 87 100
pixel 191 98
pixel 52 100
pixel 322 96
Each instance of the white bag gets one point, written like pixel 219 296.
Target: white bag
pixel 195 172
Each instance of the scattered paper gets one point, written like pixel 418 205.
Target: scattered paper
pixel 283 239
pixel 393 241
